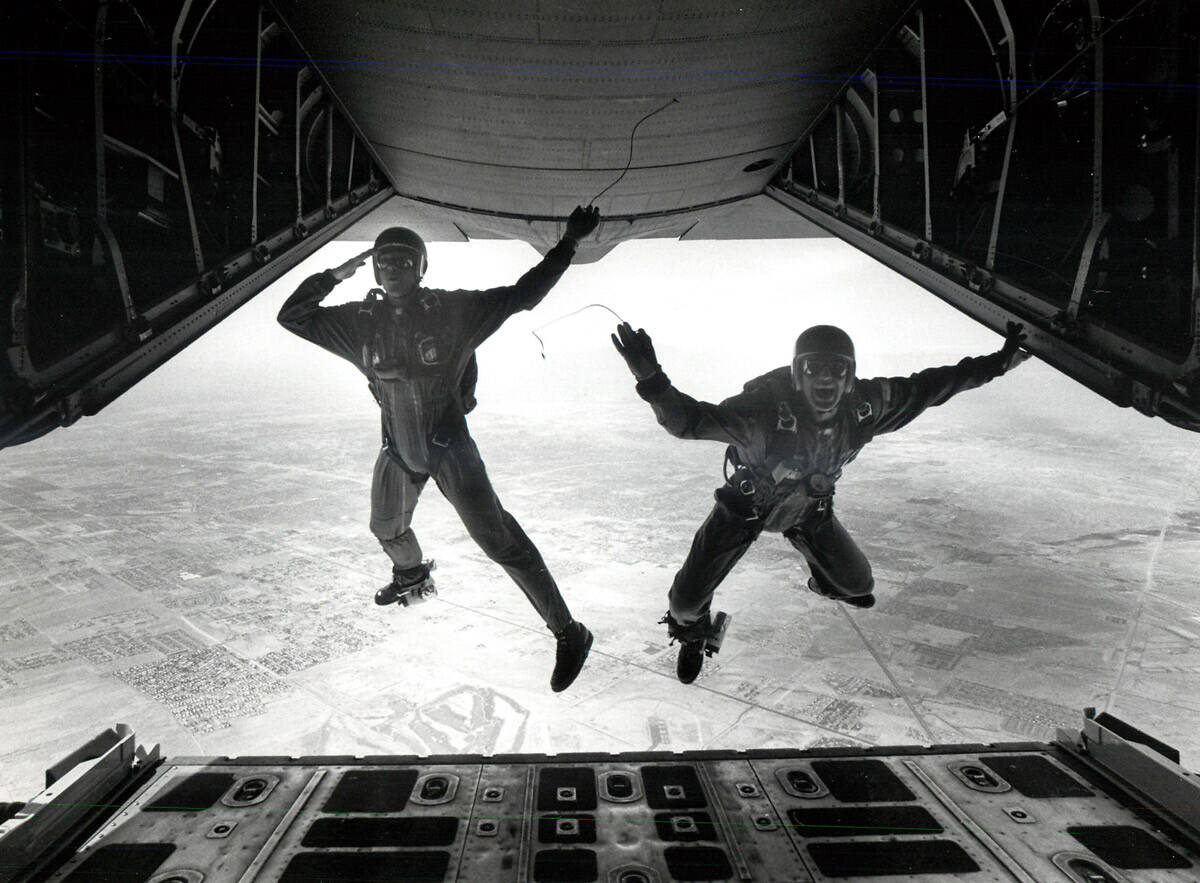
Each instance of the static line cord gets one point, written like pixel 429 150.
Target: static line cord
pixel 629 162
pixel 542 344
pixel 592 201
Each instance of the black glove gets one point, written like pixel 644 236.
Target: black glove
pixel 1011 352
pixel 637 351
pixel 582 222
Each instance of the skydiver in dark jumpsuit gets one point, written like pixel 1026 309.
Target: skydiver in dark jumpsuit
pixel 790 432
pixel 417 348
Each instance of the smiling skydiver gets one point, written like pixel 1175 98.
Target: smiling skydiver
pixel 790 432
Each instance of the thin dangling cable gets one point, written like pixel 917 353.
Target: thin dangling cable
pixel 592 201
pixel 629 162
pixel 542 344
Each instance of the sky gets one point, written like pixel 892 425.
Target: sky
pixel 719 313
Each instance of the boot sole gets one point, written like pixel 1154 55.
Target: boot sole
pixel 699 669
pixel 587 648
pixel 403 597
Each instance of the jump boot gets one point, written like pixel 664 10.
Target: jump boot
pixel 410 586
pixel 574 642
pixel 696 640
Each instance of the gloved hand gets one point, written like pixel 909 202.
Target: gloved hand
pixel 1012 353
pixel 582 222
pixel 637 351
pixel 346 270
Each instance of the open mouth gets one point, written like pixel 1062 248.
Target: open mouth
pixel 824 397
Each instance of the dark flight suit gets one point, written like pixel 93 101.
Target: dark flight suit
pixel 416 361
pixel 786 466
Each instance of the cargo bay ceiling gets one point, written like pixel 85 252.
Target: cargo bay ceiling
pixel 1024 160
pixel 504 114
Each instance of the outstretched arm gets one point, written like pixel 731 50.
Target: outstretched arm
pixel 493 306
pixel 903 398
pixel 677 412
pixel 531 288
pixel 328 327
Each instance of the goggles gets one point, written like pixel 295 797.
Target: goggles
pixel 814 366
pixel 396 259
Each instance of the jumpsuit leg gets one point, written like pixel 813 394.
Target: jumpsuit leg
pixel 719 543
pixel 836 562
pixel 462 479
pixel 394 494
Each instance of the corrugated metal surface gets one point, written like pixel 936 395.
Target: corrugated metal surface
pixel 525 108
pixel 921 814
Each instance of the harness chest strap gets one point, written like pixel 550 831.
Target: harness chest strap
pixel 440 438
pixel 742 480
pixel 787 420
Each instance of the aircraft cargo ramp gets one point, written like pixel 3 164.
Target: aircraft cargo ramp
pixel 1105 805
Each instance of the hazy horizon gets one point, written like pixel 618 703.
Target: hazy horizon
pixel 719 313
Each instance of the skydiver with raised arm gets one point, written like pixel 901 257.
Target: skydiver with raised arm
pixel 416 347
pixel 790 432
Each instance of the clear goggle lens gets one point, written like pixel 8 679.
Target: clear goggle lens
pixel 814 366
pixel 397 257
pixel 396 262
